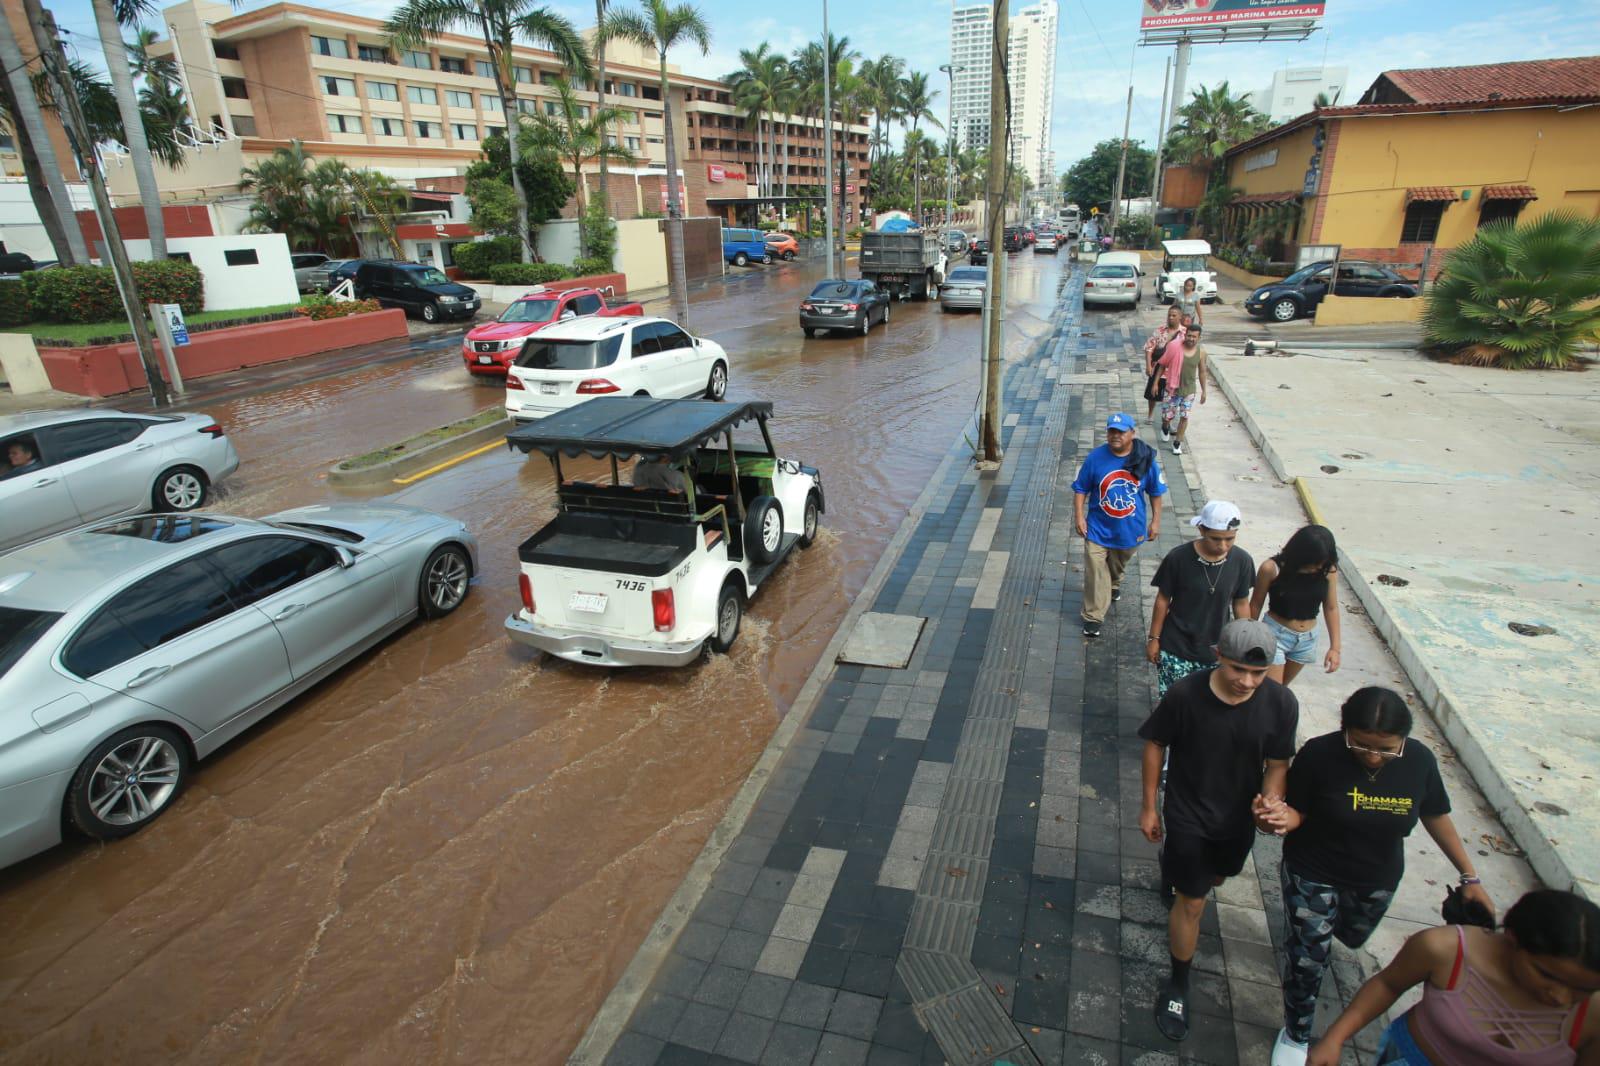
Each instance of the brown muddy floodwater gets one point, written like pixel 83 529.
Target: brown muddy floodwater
pixel 450 851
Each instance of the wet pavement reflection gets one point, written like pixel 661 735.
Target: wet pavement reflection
pixel 451 849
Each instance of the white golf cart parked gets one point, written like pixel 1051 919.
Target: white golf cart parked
pixel 1180 261
pixel 631 576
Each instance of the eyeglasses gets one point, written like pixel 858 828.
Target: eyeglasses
pixel 1387 756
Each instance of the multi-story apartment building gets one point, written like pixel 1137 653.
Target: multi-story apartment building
pixel 1031 63
pixel 1294 91
pixel 288 72
pixel 972 54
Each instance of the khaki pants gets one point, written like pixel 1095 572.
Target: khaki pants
pixel 1102 572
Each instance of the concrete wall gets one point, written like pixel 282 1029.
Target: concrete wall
pixel 1286 174
pixel 20 227
pixel 1368 311
pixel 1239 274
pixel 642 253
pixel 558 241
pixel 283 61
pixel 269 281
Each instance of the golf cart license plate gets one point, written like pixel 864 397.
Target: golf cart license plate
pixel 548 388
pixel 485 359
pixel 588 602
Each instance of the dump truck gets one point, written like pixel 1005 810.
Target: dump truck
pixel 903 259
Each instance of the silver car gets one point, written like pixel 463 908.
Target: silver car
pixel 60 469
pixel 1112 283
pixel 130 649
pixel 963 289
pixel 309 268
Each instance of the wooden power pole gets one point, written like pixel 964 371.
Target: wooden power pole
pixel 994 292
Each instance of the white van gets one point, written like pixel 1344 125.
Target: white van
pixel 1180 261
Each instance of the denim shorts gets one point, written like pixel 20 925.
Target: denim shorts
pixel 1301 647
pixel 1397 1048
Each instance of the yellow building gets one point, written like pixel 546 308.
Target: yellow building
pixel 1425 158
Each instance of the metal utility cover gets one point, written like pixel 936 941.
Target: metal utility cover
pixel 883 640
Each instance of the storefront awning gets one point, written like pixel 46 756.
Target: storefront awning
pixel 1429 194
pixel 1264 199
pixel 1509 192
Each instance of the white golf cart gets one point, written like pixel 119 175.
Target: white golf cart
pixel 1180 261
pixel 629 576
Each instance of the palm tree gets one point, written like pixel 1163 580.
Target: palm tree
pixel 661 28
pixel 884 75
pixel 787 98
pixel 756 86
pixel 280 182
pixel 851 96
pixel 600 7
pixel 916 106
pixel 499 23
pixel 97 99
pixel 46 178
pixel 576 136
pixel 110 16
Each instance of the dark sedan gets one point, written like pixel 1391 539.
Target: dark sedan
pixel 843 304
pixel 979 254
pixel 1301 292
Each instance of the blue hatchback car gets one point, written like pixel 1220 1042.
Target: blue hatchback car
pixel 741 246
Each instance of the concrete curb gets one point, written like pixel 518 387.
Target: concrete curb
pixel 1432 690
pixel 612 1017
pixel 411 462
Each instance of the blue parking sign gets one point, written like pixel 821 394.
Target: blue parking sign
pixel 175 325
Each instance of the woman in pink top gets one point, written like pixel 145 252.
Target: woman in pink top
pixel 1154 349
pixel 1520 997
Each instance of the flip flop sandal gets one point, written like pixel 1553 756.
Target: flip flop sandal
pixel 1172 1012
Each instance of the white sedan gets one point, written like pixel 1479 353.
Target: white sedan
pixel 571 362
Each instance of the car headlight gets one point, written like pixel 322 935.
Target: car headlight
pixel 448 300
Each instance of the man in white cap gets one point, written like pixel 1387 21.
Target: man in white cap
pixel 1200 586
pixel 1223 726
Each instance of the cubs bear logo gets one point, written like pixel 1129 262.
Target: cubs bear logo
pixel 1119 494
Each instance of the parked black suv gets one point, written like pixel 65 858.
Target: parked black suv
pixel 1301 292
pixel 1014 240
pixel 978 254
pixel 415 287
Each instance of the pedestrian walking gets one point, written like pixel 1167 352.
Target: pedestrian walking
pixel 1200 586
pixel 1109 507
pixel 1187 377
pixel 1292 587
pixel 1351 799
pixel 1230 731
pixel 1188 301
pixel 1525 996
pixel 1154 348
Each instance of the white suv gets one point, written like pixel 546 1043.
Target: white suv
pixel 570 362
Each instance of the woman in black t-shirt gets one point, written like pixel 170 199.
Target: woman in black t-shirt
pixel 1351 799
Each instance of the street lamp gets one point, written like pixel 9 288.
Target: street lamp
pixel 950 155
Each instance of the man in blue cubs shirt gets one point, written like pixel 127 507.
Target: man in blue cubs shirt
pixel 1109 503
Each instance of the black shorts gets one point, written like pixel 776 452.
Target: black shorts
pixel 1192 864
pixel 1155 385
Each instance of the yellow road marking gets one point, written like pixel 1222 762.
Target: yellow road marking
pixel 447 464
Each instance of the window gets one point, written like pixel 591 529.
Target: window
pixel 244 125
pixel 416 59
pixel 632 143
pixel 464 131
pixel 491 103
pixel 570 355
pixel 523 74
pixel 587 304
pixel 483 67
pixel 526 106
pixel 263 566
pixel 382 90
pixel 457 98
pixel 452 66
pixel 239 257
pixel 339 86
pixel 647 339
pixel 429 130
pixel 583 110
pixel 548 77
pixel 344 123
pixel 1499 211
pixel 1422 222
pixel 234 88
pixel 152 612
pixel 672 337
pixel 552 108
pixel 20 629
pixel 330 46
pixel 75 440
pixel 372 53
pixel 224 51
pixel 630 118
pixel 627 88
pixel 388 127
pixel 420 94
pixel 494 131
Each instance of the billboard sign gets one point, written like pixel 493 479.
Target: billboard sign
pixel 1184 14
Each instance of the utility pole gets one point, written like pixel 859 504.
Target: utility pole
pixel 1161 140
pixel 994 296
pixel 1122 165
pixel 827 132
pixel 950 151
pixel 1180 74
pixel 54 58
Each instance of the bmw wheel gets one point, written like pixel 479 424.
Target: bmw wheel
pixel 183 488
pixel 444 581
pixel 127 781
pixel 1285 310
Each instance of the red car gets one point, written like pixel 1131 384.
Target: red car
pixel 490 348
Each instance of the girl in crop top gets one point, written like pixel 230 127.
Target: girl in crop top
pixel 1292 587
pixel 1521 997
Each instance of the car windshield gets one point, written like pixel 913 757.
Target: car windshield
pixel 556 354
pixel 429 276
pixel 968 275
pixel 1113 270
pixel 19 630
pixel 1188 262
pixel 1304 274
pixel 833 290
pixel 530 311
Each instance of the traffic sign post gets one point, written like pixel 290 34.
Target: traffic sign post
pixel 170 330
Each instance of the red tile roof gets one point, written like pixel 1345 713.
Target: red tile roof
pixel 1509 192
pixel 1429 193
pixel 1577 78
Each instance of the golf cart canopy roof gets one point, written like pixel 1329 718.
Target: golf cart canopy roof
pixel 624 426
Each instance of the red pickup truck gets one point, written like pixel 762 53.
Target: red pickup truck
pixel 490 348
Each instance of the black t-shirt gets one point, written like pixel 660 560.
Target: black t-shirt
pixel 1355 826
pixel 1202 596
pixel 1218 750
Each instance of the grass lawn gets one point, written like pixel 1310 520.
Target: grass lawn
pixel 83 332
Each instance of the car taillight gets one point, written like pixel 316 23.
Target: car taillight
pixel 513 382
pixel 213 431
pixel 526 586
pixel 1127 284
pixel 808 307
pixel 594 386
pixel 852 307
pixel 661 606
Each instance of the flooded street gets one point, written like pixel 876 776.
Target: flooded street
pixel 451 849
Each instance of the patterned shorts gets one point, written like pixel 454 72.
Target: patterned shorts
pixel 1177 407
pixel 1170 670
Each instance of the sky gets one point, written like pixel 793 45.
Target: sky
pixel 1096 52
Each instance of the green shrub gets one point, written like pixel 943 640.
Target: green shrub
pixel 476 258
pixel 15 307
pixel 171 281
pixel 583 268
pixel 89 293
pixel 597 233
pixel 527 273
pixel 318 308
